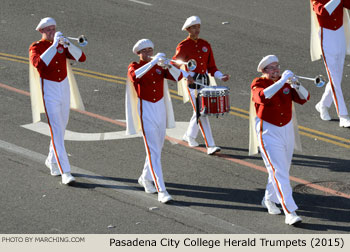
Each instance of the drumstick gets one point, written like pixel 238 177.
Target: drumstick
pixel 197 103
pixel 200 84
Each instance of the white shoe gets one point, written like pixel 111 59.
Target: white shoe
pixel 344 121
pixel 148 185
pixel 55 171
pixel 67 178
pixel 191 141
pixel 292 218
pixel 164 197
pixel 270 206
pixel 212 150
pixel 323 112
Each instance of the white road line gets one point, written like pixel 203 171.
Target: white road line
pixel 43 128
pixel 139 2
pixel 202 218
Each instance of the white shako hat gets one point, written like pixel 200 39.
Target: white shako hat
pixel 267 60
pixel 191 21
pixel 45 22
pixel 142 44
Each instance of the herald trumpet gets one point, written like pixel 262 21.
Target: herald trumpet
pixel 191 64
pixel 82 40
pixel 319 80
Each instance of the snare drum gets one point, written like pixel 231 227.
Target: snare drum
pixel 214 100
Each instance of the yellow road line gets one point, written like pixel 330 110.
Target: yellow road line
pixel 121 80
pixel 13 56
pixel 240 115
pixel 347 146
pixel 100 78
pixel 74 68
pixel 102 74
pixel 240 110
pixel 325 134
pixel 9 59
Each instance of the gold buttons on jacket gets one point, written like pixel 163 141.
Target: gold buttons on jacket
pixel 281 113
pixel 154 82
pixel 58 70
pixel 281 123
pixel 56 62
pixel 154 90
pixel 59 79
pixel 154 99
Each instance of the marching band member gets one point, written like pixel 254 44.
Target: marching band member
pixel 195 48
pixel 149 108
pixel 271 116
pixel 330 37
pixel 53 89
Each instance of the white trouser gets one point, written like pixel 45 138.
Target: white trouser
pixel 153 122
pixel 276 146
pixel 56 97
pixel 334 47
pixel 203 123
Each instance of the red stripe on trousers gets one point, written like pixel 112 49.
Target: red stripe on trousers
pixel 329 74
pixel 273 169
pixel 51 132
pixel 199 121
pixel 147 148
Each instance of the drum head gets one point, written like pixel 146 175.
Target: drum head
pixel 214 91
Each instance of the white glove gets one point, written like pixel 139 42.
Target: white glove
pixel 175 72
pixel 286 75
pixel 167 62
pixel 50 52
pixel 184 73
pixel 302 92
pixel 331 6
pixel 145 68
pixel 74 51
pixel 218 75
pixel 57 38
pixel 64 41
pixel 158 57
pixel 273 89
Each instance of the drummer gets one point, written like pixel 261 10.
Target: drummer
pixel 199 50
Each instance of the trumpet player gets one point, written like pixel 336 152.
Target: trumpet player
pixel 273 131
pixel 50 81
pixel 330 26
pixel 195 48
pixel 149 109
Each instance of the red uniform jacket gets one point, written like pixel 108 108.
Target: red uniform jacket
pixel 278 109
pixel 150 86
pixel 334 21
pixel 57 69
pixel 199 50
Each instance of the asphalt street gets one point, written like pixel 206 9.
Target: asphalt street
pixel 212 194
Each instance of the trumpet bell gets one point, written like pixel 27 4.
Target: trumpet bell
pixel 82 40
pixel 319 81
pixel 191 64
